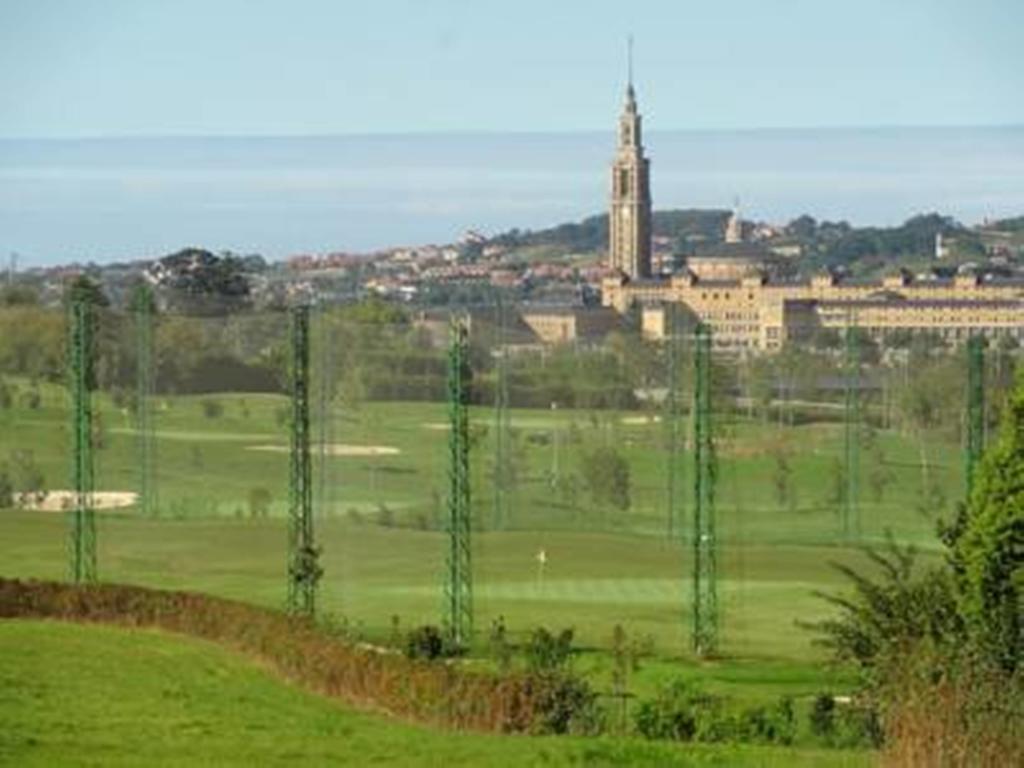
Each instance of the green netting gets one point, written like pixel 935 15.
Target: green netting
pixel 581 466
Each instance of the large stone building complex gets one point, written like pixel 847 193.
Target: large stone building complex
pixel 733 288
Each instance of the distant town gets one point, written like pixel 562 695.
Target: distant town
pixel 755 284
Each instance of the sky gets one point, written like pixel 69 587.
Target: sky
pixel 312 67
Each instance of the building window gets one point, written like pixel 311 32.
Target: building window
pixel 624 182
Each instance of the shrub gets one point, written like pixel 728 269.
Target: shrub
pixel 32 399
pixel 212 409
pixel 425 642
pixel 987 546
pixel 767 725
pixel 385 516
pixel 822 717
pixel 546 652
pixel 683 712
pixel 606 475
pixel 564 703
pixel 6 488
pixel 26 475
pixel 259 502
pixel 671 714
pixel 501 649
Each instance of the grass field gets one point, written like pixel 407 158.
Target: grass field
pixel 383 552
pixel 91 696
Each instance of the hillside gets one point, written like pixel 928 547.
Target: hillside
pixel 861 250
pixel 92 695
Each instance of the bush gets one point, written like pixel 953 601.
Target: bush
pixel 768 725
pixel 26 475
pixel 547 652
pixel 987 546
pixel 606 475
pixel 6 488
pixel 212 409
pixel 683 712
pixel 850 725
pixel 564 703
pixel 425 642
pixel 259 502
pixel 822 717
pixel 32 399
pixel 671 714
pixel 385 516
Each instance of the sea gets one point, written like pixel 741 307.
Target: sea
pixel 104 200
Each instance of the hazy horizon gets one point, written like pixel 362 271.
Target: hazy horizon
pixel 113 199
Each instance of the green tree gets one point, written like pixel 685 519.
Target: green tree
pixel 606 474
pixel 782 476
pixel 6 488
pixel 987 543
pixel 880 475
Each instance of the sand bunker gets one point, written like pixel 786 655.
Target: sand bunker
pixel 336 449
pixel 59 501
pixel 641 420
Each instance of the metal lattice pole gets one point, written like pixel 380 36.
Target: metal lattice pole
pixel 705 544
pixel 458 593
pixel 975 442
pixel 325 486
pixel 851 435
pixel 673 425
pixel 501 421
pixel 82 544
pixel 303 555
pixel 144 392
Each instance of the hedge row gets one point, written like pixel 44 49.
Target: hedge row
pixel 438 693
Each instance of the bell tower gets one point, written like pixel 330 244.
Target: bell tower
pixel 629 218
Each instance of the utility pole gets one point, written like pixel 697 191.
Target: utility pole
pixel 82 543
pixel 975 443
pixel 458 590
pixel 673 424
pixel 851 433
pixel 501 419
pixel 705 544
pixel 304 569
pixel 144 391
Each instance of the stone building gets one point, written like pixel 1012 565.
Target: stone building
pixel 734 288
pixel 629 222
pixel 569 325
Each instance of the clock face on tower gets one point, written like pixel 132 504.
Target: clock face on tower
pixel 624 214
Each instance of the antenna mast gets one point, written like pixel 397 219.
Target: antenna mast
pixel 629 59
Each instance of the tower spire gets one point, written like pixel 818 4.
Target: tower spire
pixel 629 61
pixel 630 215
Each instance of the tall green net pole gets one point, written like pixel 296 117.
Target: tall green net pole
pixel 303 556
pixel 673 424
pixel 146 444
pixel 851 434
pixel 458 589
pixel 705 544
pixel 501 419
pixel 325 438
pixel 82 542
pixel 975 442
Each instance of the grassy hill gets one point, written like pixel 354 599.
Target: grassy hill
pixel 91 695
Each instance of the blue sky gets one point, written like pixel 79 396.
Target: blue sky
pixel 228 67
